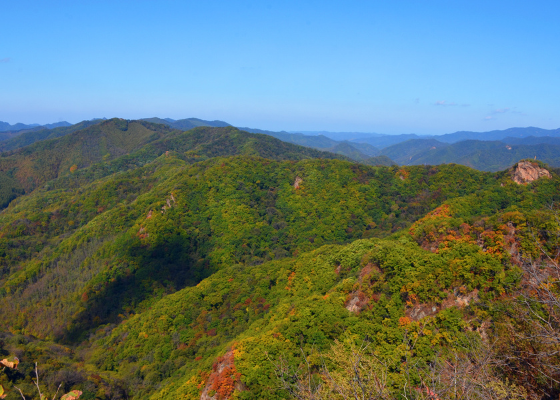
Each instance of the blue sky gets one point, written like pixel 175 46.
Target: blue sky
pixel 426 67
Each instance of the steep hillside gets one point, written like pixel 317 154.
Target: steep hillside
pixel 436 282
pixel 13 141
pixel 159 277
pixel 32 166
pixel 137 235
pixel 38 163
pixel 29 137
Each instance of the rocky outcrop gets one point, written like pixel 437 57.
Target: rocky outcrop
pixel 526 171
pixel 224 379
pixel 169 205
pixel 458 298
pixel 297 182
pixel 419 311
pixel 356 302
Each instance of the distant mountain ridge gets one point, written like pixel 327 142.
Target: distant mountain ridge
pixel 120 144
pixel 482 155
pixel 383 140
pixel 404 152
pixel 187 123
pixel 498 134
pixel 486 151
pixel 361 152
pixel 28 137
pixel 6 127
pixel 474 149
pixel 318 141
pixel 532 140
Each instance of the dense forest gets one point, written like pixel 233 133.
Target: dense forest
pixel 142 261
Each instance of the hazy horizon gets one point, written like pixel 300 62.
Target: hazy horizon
pixel 393 68
pixel 305 132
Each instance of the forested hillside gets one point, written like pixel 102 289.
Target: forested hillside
pixel 26 138
pixel 139 261
pixel 487 151
pixel 170 219
pixel 32 166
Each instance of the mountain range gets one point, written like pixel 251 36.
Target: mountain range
pixel 482 155
pixel 24 169
pixel 467 148
pixel 381 140
pixel 148 261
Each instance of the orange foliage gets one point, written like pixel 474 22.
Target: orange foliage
pixel 403 321
pixel 290 279
pixel 224 376
pixel 439 213
pixel 403 173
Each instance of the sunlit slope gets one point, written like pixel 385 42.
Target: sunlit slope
pixel 130 144
pixel 76 258
pixel 450 269
pixel 29 137
pixel 40 162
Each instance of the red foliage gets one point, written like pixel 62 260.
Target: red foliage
pixel 431 394
pixel 224 376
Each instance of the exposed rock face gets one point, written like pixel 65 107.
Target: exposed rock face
pixel 356 302
pixel 223 380
pixel 455 299
pixel 420 311
pixel 526 172
pixel 297 182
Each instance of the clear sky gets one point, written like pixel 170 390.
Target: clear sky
pixel 417 66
